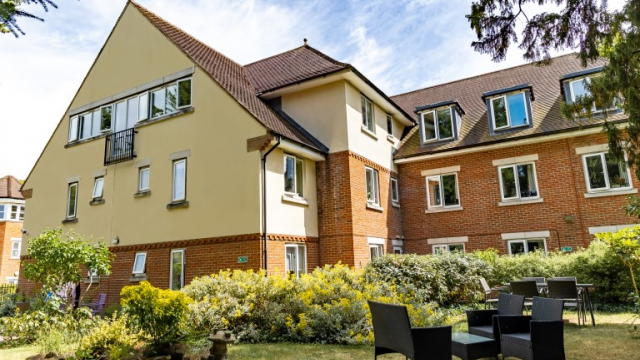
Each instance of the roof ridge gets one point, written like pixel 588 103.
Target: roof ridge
pixel 479 75
pixel 273 56
pixel 307 46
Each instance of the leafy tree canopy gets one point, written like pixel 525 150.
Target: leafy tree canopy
pixel 12 10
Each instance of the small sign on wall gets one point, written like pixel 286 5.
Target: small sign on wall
pixel 243 259
pixel 566 249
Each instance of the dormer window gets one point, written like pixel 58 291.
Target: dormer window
pixel 509 108
pixel 440 122
pixel 578 89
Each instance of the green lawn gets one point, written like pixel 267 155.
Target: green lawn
pixel 610 339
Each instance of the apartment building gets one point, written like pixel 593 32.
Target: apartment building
pixel 11 218
pixel 187 162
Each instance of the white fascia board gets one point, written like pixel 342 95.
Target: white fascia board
pixel 296 149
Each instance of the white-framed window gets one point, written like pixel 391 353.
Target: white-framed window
pixel 437 124
pixel 179 188
pixel 295 259
pixel 526 246
pixel 72 200
pixel 578 88
pixel 184 93
pixel 518 181
pixel 509 111
pixel 397 250
pixel 442 191
pixel 372 183
pixel 17 212
pixel 143 178
pixel 376 251
pixel 177 269
pixel 12 280
pixel 73 128
pixel 139 263
pixel 389 124
pixel 106 115
pixel 447 248
pixel 293 176
pixel 2 212
pixel 368 118
pixel 98 187
pixel 395 195
pixel 15 248
pixel 143 106
pixel 603 172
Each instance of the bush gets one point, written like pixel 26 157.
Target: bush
pixel 112 336
pixel 160 313
pixel 326 306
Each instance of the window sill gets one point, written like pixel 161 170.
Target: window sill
pixel 611 193
pixel 432 211
pixel 391 139
pixel 78 142
pixel 365 130
pixel 374 207
pixel 96 201
pixel 520 202
pixel 92 280
pixel 178 205
pixel 138 278
pixel 142 193
pixel 70 221
pixel 295 200
pixel 164 117
pixel 395 204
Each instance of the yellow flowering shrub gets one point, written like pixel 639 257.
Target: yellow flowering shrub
pixel 111 335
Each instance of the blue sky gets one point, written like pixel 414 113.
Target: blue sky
pixel 400 45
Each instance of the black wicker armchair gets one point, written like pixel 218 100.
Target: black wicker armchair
pixel 393 334
pixel 481 322
pixel 536 337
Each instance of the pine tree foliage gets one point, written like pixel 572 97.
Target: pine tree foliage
pixel 12 10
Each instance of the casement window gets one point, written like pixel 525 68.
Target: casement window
pixel 143 178
pixel 578 88
pixel 171 98
pixel 179 188
pixel 17 212
pixel 389 125
pixel 437 125
pixel 15 248
pixel 184 93
pixel 509 111
pixel 395 195
pixel 603 172
pixel 295 259
pixel 139 263
pixel 368 118
pixel 372 184
pixel 73 128
pixel 518 181
pixel 106 113
pixel 293 176
pixel 442 191
pixel 72 200
pixel 447 248
pixel 98 187
pixel 177 269
pixel 397 250
pixel 526 246
pixel 376 251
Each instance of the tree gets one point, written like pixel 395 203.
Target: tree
pixel 62 260
pixel 596 32
pixel 11 11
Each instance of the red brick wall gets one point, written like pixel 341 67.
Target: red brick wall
pixel 561 184
pixel 8 266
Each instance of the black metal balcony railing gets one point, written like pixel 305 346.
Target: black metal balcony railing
pixel 119 147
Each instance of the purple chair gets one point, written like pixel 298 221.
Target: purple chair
pixel 98 307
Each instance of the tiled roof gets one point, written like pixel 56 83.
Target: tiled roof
pixel 233 78
pixel 10 188
pixel 544 80
pixel 300 64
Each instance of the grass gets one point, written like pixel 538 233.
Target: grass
pixel 610 339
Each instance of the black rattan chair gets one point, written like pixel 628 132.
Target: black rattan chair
pixel 567 290
pixel 482 323
pixel 393 334
pixel 536 337
pixel 537 279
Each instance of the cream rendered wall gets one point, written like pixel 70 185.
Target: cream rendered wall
pixel 286 217
pixel 222 177
pixel 321 111
pixel 377 149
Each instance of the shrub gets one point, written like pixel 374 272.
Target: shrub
pixel 160 313
pixel 113 336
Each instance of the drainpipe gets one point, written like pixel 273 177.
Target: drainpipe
pixel 264 200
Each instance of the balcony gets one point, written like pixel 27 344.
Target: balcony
pixel 119 147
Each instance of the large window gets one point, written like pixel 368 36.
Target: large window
pixel 395 195
pixel 509 111
pixel 373 190
pixel 437 125
pixel 447 248
pixel 526 246
pixel 98 187
pixel 295 259
pixel 17 212
pixel 15 248
pixel 139 263
pixel 578 89
pixel 293 176
pixel 368 119
pixel 179 192
pixel 177 269
pixel 72 200
pixel 442 191
pixel 518 181
pixel 143 178
pixel 603 172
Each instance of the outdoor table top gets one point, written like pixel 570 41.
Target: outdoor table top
pixel 466 338
pixel 545 285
